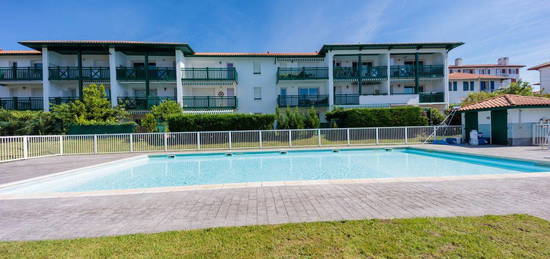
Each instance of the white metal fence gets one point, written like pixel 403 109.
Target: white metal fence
pixel 23 147
pixel 541 135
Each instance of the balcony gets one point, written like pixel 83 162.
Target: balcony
pixel 142 103
pixel 302 73
pixel 210 102
pixel 432 97
pixel 209 73
pixel 22 103
pixel 20 73
pixel 302 100
pixel 366 73
pixel 408 71
pixel 62 100
pixel 73 73
pixel 138 74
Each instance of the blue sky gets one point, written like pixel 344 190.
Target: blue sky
pixel 490 29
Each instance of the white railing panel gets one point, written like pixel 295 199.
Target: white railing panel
pixel 214 140
pixel 142 142
pixel 540 134
pixel 113 143
pixel 78 144
pixel 418 135
pixel 362 136
pixel 391 136
pixel 245 139
pixel 305 137
pixel 43 146
pixel 181 141
pixel 331 137
pixel 11 148
pixel 275 138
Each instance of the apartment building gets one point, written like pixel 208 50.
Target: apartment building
pixel 544 76
pixel 139 75
pixel 502 68
pixel 462 84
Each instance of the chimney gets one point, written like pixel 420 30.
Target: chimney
pixel 505 61
pixel 458 61
pixel 499 61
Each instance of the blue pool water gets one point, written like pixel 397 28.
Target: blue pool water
pixel 162 171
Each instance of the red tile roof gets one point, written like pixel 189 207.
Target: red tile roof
pixel 267 54
pixel 467 76
pixel 19 52
pixel 96 42
pixel 484 65
pixel 507 100
pixel 537 67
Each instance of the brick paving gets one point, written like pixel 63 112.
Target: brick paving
pixel 60 218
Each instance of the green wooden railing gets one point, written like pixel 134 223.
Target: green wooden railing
pixel 302 100
pixel 22 103
pixel 209 73
pixel 73 73
pixel 367 73
pixel 433 97
pixel 20 73
pixel 138 74
pixel 408 71
pixel 142 103
pixel 209 102
pixel 302 73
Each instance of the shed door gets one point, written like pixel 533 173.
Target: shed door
pixel 499 127
pixel 471 123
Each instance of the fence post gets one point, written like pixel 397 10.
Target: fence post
pixel 25 147
pixel 131 142
pixel 377 140
pixel 61 145
pixel 347 136
pixel 165 136
pixel 198 140
pixel 319 137
pixel 261 144
pixel 435 134
pixel 290 138
pixel 406 136
pixel 230 145
pixel 95 144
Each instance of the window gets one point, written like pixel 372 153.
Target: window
pixel 492 86
pixel 471 85
pixel 455 86
pixel 517 71
pixel 503 71
pixel 450 86
pixel 257 93
pixel 482 86
pixel 257 68
pixel 308 91
pixel 283 92
pixel 409 90
pixel 465 86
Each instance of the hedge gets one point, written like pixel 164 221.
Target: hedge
pixel 378 117
pixel 220 122
pixel 101 128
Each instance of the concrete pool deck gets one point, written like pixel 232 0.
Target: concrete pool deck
pixel 71 217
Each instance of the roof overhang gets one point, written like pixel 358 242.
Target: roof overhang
pixel 102 47
pixel 420 45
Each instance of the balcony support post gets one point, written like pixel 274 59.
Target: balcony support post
pixel 146 70
pixel 330 64
pixel 388 71
pixel 115 86
pixel 180 64
pixel 416 65
pixel 45 79
pixel 80 82
pixel 359 74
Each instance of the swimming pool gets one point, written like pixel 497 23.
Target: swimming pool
pixel 242 167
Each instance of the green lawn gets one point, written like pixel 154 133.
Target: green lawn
pixel 513 236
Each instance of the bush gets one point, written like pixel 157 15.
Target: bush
pixel 28 123
pixel 101 128
pixel 435 117
pixel 149 123
pixel 378 117
pixel 166 109
pixel 221 122
pixel 292 118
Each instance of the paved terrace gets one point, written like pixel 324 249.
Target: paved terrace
pixel 57 218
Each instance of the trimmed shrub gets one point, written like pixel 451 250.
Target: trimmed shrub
pixel 220 122
pixel 378 117
pixel 14 123
pixel 435 117
pixel 101 128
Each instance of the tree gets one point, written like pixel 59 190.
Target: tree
pixel 312 120
pixel 476 97
pixel 93 107
pixel 519 88
pixel 166 109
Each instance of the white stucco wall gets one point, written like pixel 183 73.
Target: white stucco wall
pixel 545 79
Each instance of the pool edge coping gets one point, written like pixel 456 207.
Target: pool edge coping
pixel 264 184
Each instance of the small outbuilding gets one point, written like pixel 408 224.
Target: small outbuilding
pixel 506 119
